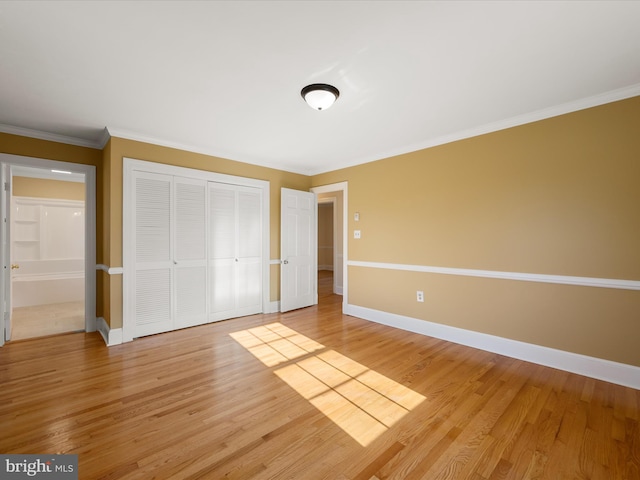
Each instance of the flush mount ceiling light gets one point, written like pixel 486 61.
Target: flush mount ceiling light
pixel 320 96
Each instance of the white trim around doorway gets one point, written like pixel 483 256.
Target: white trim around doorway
pixel 344 188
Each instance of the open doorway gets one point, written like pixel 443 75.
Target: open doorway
pixel 327 247
pixel 331 242
pixel 47 251
pixel 11 166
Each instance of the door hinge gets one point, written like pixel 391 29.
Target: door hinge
pixel 6 186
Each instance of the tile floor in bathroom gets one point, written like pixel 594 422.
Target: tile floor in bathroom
pixel 42 320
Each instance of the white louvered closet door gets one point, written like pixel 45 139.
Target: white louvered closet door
pixel 249 251
pixel 222 245
pixel 235 259
pixel 152 289
pixel 190 252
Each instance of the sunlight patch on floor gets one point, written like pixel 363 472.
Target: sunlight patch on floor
pixel 275 343
pixel 361 401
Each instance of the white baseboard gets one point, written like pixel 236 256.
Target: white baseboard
pixel 111 336
pixel 618 373
pixel 338 291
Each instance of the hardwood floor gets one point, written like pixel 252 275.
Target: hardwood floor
pixel 310 394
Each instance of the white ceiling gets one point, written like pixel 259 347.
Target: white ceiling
pixel 224 78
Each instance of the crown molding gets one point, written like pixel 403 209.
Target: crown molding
pixel 545 113
pixel 557 110
pixel 144 138
pixel 104 138
pixel 52 137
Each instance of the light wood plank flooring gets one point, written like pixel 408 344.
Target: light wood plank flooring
pixel 310 394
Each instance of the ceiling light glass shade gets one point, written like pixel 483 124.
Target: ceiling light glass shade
pixel 320 96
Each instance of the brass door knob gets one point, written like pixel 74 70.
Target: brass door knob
pixel 14 266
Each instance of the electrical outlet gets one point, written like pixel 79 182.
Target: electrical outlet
pixel 420 296
pixel 356 234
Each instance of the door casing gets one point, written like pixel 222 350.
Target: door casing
pixel 344 188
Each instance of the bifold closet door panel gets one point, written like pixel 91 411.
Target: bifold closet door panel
pixel 153 279
pixel 222 295
pixel 235 251
pixel 249 287
pixel 190 252
pixel 222 251
pixel 249 250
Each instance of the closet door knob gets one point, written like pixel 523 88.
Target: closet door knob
pixel 14 266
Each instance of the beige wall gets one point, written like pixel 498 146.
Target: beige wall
pixel 33 147
pixel 43 188
pixel 557 197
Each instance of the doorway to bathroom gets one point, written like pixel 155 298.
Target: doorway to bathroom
pixel 47 252
pixel 48 285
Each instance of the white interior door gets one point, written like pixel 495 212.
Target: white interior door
pixel 298 250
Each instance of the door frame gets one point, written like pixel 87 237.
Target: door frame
pixel 89 172
pixel 5 261
pixel 344 188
